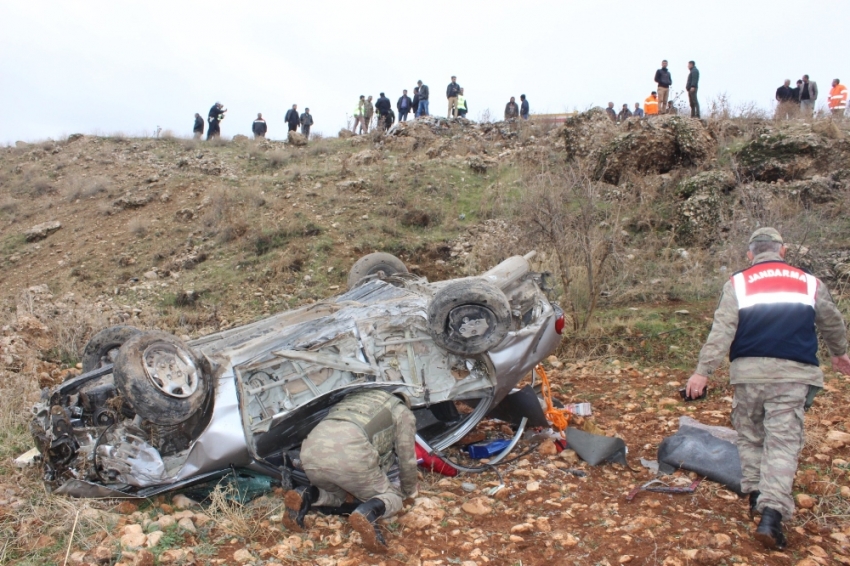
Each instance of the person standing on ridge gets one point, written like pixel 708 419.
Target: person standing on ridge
pixel 291 118
pixel 767 321
pixel 415 105
pixel 422 110
pixel 624 113
pixel 650 105
pixel 306 123
pixel 664 79
pixel 259 128
pixel 808 96
pixel 359 112
pixel 383 106
pixel 198 129
pixel 638 112
pixel 403 106
pixel 214 118
pixel 511 110
pixel 349 454
pixel 692 86
pixel 451 94
pixel 838 99
pixel 523 107
pixel 368 112
pixel 785 100
pixel 611 112
pixel 462 108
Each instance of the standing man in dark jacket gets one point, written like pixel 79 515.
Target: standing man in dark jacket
pixel 624 114
pixel 523 108
pixel 423 99
pixel 259 127
pixel 451 94
pixel 664 79
pixel 291 118
pixel 403 106
pixel 198 130
pixel 808 96
pixel 215 117
pixel 415 105
pixel 692 86
pixel 383 106
pixel 511 110
pixel 306 123
pixel 785 100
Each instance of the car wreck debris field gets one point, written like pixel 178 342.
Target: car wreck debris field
pixel 201 241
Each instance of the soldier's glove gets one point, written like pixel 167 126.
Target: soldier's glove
pixel 810 396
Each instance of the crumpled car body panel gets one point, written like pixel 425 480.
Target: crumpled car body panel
pixel 276 378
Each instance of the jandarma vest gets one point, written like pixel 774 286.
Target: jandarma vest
pixel 372 412
pixel 776 313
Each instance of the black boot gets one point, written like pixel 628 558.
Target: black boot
pixel 298 503
pixel 364 521
pixel 769 531
pixel 754 499
pixel 344 509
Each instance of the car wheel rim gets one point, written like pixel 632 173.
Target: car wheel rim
pixel 171 370
pixel 471 323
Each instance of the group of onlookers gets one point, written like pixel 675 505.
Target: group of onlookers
pixel 659 101
pixel 365 110
pixel 802 98
pixel 259 127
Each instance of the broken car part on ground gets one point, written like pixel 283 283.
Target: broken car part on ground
pixel 152 413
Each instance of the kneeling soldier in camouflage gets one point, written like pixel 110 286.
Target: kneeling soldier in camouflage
pixel 350 452
pixel 766 322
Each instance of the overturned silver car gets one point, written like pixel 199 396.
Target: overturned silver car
pixel 151 413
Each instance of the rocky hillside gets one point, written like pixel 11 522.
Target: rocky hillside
pixel 194 237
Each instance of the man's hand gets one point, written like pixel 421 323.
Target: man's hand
pixel 841 364
pixel 696 385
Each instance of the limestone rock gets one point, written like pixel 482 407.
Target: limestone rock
pixel 805 501
pixel 477 506
pixel 294 138
pixel 425 512
pixel 181 501
pixel 41 231
pixel 243 555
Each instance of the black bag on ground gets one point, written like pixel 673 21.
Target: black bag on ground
pixel 697 450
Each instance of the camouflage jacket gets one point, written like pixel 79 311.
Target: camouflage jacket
pixel 828 321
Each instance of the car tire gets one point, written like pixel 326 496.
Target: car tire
pixel 103 346
pixel 373 263
pixel 161 378
pixel 469 317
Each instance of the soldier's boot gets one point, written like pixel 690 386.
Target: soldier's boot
pixel 298 502
pixel 364 521
pixel 754 499
pixel 769 531
pixel 344 509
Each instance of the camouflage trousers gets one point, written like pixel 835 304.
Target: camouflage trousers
pixel 338 459
pixel 769 421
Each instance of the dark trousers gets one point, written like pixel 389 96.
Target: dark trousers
pixel 402 115
pixel 692 98
pixel 214 130
pixel 293 126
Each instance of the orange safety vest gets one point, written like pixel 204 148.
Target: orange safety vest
pixel 838 97
pixel 650 105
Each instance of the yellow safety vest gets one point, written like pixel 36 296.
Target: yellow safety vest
pixel 461 102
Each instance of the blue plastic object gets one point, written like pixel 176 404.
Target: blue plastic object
pixel 487 450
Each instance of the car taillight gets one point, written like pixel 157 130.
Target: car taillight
pixel 560 321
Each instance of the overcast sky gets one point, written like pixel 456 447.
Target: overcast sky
pixel 120 66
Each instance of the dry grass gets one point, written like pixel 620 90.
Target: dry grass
pixel 138 226
pixel 242 520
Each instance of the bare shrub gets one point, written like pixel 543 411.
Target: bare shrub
pixel 277 159
pixel 9 206
pixel 83 187
pixel 566 215
pixel 138 226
